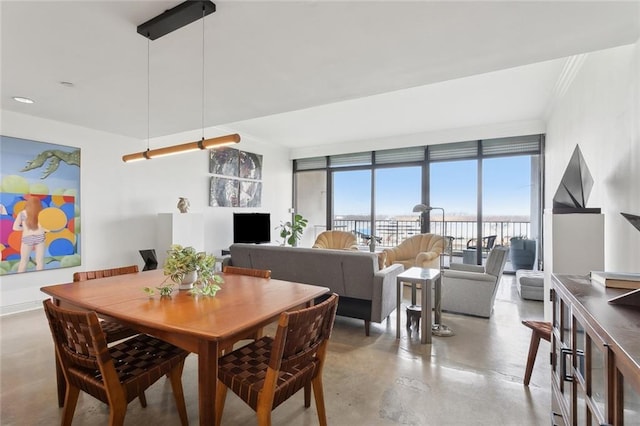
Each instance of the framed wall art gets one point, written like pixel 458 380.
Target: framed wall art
pixel 237 180
pixel 39 206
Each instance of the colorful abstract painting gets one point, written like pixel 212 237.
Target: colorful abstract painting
pixel 43 178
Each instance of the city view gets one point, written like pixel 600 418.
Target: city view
pixel 506 201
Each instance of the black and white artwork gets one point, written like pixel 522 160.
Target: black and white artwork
pixel 250 165
pixel 250 193
pixel 224 161
pixel 224 192
pixel 237 180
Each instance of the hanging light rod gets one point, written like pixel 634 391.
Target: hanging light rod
pixel 185 147
pixel 174 18
pixel 183 14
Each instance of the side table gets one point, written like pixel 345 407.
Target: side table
pixel 426 277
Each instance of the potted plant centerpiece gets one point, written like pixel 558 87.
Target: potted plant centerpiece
pixel 192 270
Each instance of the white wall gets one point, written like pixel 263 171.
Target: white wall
pixel 601 113
pixel 120 202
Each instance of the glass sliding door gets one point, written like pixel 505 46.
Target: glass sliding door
pixel 397 190
pixel 510 195
pixel 351 204
pixel 453 187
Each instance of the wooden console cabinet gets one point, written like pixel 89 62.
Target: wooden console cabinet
pixel 595 355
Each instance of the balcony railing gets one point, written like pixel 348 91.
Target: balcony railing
pixel 390 233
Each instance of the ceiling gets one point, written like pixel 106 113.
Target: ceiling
pixel 301 73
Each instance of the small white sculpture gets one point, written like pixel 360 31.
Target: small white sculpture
pixel 183 205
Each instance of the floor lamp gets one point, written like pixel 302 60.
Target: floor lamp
pixel 437 329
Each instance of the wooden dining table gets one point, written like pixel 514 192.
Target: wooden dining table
pixel 198 324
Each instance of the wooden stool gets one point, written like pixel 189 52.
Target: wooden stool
pixel 539 329
pixel 413 317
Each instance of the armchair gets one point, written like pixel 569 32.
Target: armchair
pixel 471 289
pixel 421 250
pixel 337 240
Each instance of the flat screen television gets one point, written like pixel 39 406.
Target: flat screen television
pixel 251 228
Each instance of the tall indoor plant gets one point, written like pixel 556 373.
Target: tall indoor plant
pixel 291 231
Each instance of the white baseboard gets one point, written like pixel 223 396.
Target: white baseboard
pixel 20 307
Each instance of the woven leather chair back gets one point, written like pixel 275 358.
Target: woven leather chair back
pixel 260 273
pixel 300 334
pixel 103 273
pixel 115 375
pixel 267 372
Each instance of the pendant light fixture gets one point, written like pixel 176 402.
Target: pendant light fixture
pixel 168 21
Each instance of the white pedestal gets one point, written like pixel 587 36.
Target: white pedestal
pixel 186 229
pixel 573 244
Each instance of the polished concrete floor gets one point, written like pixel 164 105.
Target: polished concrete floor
pixel 472 378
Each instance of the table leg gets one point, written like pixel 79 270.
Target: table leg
pixel 207 380
pixel 398 299
pixel 425 333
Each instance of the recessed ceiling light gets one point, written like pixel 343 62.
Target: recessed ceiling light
pixel 66 83
pixel 23 100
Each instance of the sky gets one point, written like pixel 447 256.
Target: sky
pixel 507 187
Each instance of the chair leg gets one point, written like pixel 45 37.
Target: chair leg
pixel 143 399
pixel 62 384
pixel 367 327
pixel 117 413
pixel 264 415
pixel 70 401
pixel 175 376
pixel 318 394
pixel 531 358
pixel 307 395
pixel 221 396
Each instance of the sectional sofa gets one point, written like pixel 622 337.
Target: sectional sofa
pixel 366 291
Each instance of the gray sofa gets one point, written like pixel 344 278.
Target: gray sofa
pixel 365 291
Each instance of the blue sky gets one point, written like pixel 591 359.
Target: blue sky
pixel 507 186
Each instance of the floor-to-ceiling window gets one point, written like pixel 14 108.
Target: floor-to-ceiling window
pixel 351 203
pixel 453 187
pixel 397 190
pixel 486 189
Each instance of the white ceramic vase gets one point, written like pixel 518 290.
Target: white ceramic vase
pixel 188 280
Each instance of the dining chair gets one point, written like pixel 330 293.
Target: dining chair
pixel 114 375
pixel 113 331
pixel 267 372
pixel 260 273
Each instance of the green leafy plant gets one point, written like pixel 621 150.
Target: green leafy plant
pixel 208 289
pixel 184 260
pixel 165 289
pixel 291 231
